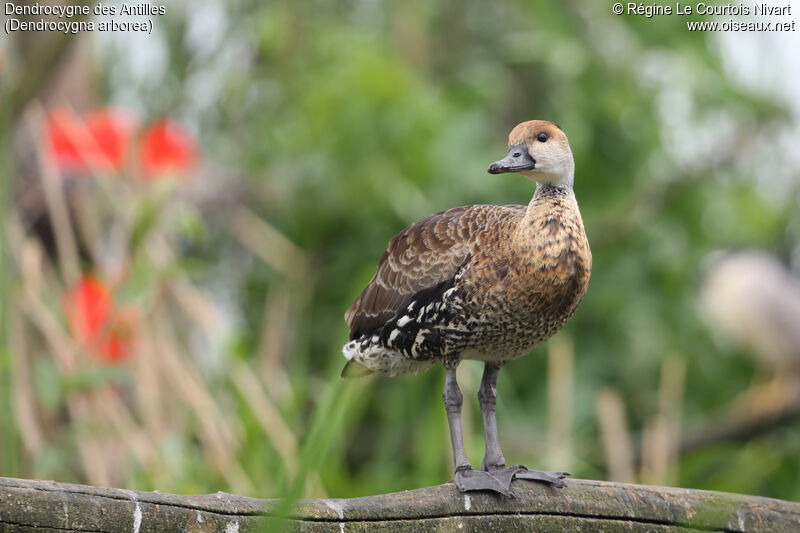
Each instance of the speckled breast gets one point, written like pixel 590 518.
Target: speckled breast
pixel 512 330
pixel 514 304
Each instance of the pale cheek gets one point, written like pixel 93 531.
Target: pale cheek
pixel 550 166
pixel 545 165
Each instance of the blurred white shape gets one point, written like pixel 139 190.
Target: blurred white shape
pixel 753 300
pixel 207 23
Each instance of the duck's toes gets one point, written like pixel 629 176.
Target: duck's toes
pixel 555 479
pixel 504 474
pixel 470 480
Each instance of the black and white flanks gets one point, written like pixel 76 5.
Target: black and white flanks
pixel 413 340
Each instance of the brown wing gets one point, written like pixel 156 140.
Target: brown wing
pixel 423 255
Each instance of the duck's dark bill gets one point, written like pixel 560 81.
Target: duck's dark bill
pixel 517 159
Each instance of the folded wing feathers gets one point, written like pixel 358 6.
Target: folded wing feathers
pixel 425 254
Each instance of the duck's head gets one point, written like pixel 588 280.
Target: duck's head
pixel 538 150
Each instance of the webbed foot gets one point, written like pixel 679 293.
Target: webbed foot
pixel 468 479
pixel 503 473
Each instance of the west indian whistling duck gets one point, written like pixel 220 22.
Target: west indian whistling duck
pixel 483 282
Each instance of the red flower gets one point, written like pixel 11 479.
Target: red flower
pixel 111 130
pixel 100 142
pixel 105 333
pixel 166 148
pixel 66 140
pixel 88 306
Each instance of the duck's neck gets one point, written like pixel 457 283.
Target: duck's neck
pixel 548 201
pixel 553 190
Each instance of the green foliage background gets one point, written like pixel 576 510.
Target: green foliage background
pixel 343 122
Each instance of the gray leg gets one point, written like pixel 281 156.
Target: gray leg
pixel 452 404
pixel 466 478
pixel 487 398
pixel 493 461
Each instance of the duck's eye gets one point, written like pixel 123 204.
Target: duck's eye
pixel 542 137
